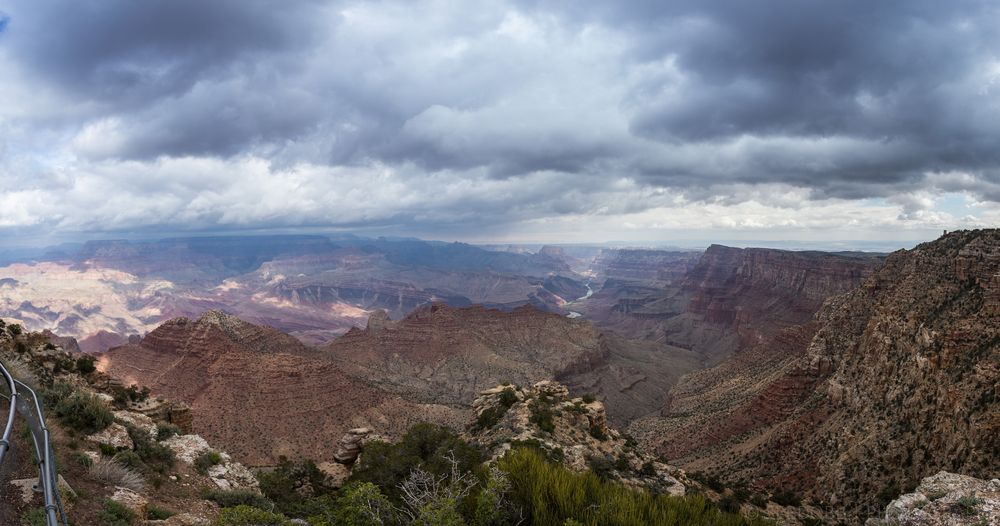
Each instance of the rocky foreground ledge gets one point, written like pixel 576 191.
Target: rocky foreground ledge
pixel 572 431
pixel 945 499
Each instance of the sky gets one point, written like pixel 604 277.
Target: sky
pixel 500 121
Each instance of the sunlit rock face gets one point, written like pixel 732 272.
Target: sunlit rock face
pixel 306 286
pixel 81 302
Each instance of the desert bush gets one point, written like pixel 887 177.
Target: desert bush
pixel 131 460
pixel 157 457
pixel 244 515
pixel 154 513
pixel 56 393
pixel 123 396
pixel 598 433
pixel 165 431
pixel 116 514
pixel 541 416
pixel 238 497
pixel 488 418
pixel 551 495
pixel 85 364
pixel 113 473
pixel 296 488
pixel 206 460
pixel 84 412
pixel 363 504
pixel 34 517
pixel 427 446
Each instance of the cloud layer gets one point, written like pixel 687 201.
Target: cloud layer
pixel 549 120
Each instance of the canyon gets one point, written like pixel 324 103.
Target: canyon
pixel 842 377
pixel 885 384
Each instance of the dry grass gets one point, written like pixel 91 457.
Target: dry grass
pixel 114 473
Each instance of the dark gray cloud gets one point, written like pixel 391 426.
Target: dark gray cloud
pixel 604 108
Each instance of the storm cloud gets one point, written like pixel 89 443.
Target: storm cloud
pixel 501 118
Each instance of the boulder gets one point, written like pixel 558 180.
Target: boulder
pixel 349 446
pixel 131 500
pixel 114 435
pixel 187 447
pixel 138 420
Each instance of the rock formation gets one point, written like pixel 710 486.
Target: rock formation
pixel 945 499
pixel 257 392
pixel 888 383
pixel 573 431
pixel 441 354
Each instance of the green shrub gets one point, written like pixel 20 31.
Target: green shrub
pixel 426 446
pixel 34 517
pixel 115 514
pixel 84 412
pixel 488 418
pixel 508 397
pixel 541 416
pixel 158 514
pixel 244 515
pixel 362 504
pixel 966 505
pixel 165 431
pixel 157 457
pixel 296 488
pixel 107 450
pixel 85 364
pixel 206 460
pixel 238 497
pixel 131 459
pixel 83 460
pixel 551 495
pixel 123 396
pixel 15 329
pixel 648 470
pixel 758 500
pixel 56 393
pixel 598 433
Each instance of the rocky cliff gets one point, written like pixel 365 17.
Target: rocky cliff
pixel 644 265
pixel 886 384
pixel 259 392
pixel 442 354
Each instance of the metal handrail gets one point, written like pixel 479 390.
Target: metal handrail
pixel 48 478
pixel 5 437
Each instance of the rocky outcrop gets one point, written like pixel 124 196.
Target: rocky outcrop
pixel 115 436
pixel 945 499
pixel 888 383
pixel 573 431
pixel 349 446
pixel 257 392
pixel 442 354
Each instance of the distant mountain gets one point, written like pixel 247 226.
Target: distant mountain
pixel 886 384
pixel 307 285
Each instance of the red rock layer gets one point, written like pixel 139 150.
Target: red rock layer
pixel 256 391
